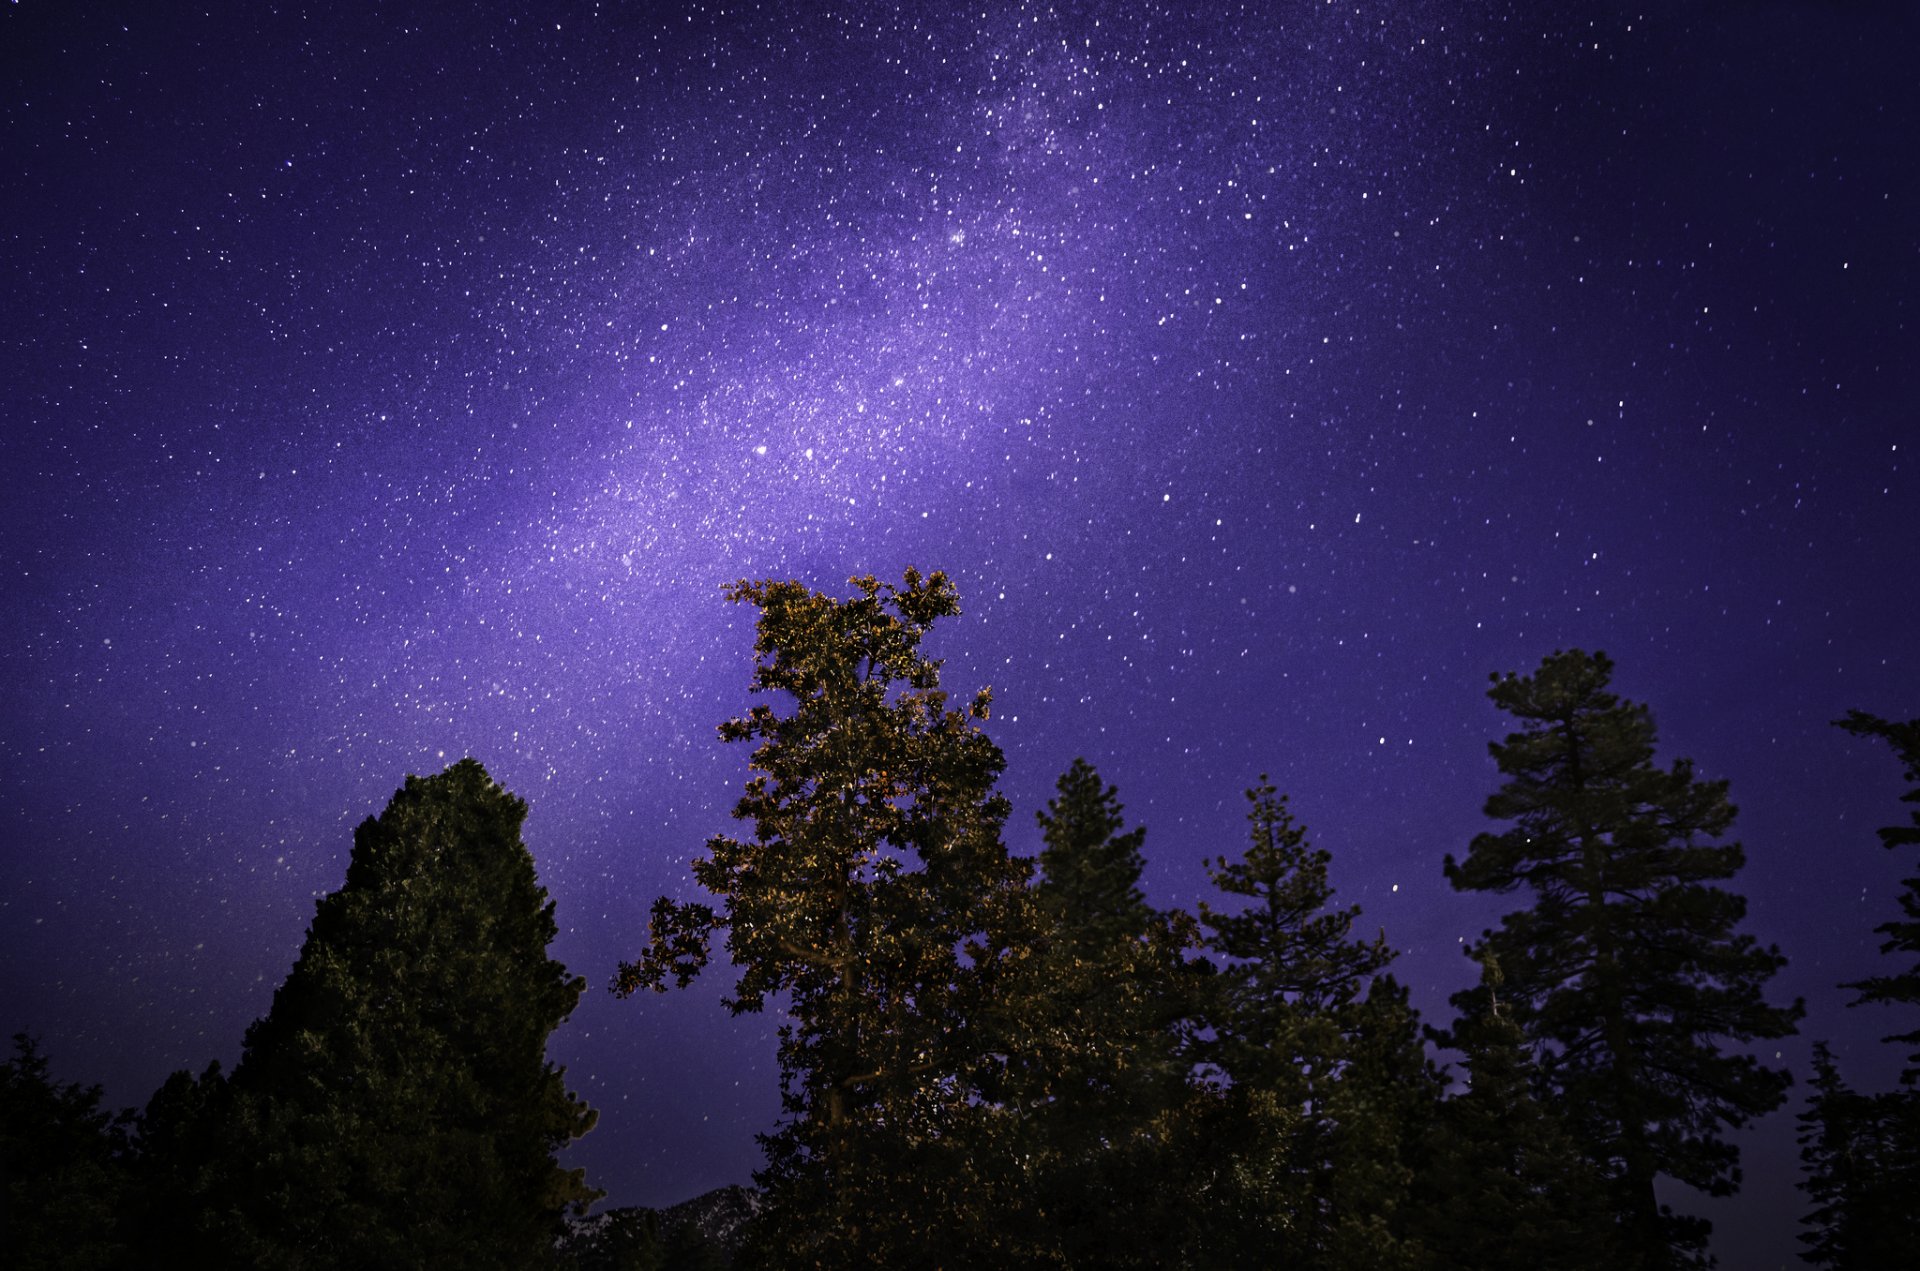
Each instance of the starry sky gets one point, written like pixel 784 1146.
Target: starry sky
pixel 387 384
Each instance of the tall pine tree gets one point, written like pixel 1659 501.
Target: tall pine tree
pixel 395 1106
pixel 874 895
pixel 1304 1015
pixel 1091 1020
pixel 1626 969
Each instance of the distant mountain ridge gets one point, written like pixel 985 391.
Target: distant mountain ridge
pixel 703 1233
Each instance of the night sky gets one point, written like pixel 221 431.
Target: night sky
pixel 388 386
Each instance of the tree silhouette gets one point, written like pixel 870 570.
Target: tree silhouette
pixel 63 1169
pixel 1505 1187
pixel 1304 1016
pixel 1626 969
pixel 395 1106
pixel 1091 1019
pixel 1901 987
pixel 1861 1154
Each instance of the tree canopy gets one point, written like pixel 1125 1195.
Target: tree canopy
pixel 395 1106
pixel 875 895
pixel 1626 969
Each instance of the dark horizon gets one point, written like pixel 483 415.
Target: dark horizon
pixel 387 392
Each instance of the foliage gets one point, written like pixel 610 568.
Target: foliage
pixel 63 1158
pixel 1505 1186
pixel 181 1160
pixel 1902 987
pixel 1626 969
pixel 1304 1016
pixel 874 897
pixel 395 1106
pixel 1862 1158
pixel 636 1239
pixel 1090 1018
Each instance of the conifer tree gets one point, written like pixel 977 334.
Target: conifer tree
pixel 1091 1020
pixel 1626 970
pixel 1293 967
pixel 395 1106
pixel 874 894
pixel 1304 1014
pixel 1505 1187
pixel 1861 1154
pixel 1901 987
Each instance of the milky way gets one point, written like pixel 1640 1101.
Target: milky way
pixel 387 390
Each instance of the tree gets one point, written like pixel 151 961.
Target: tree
pixel 63 1169
pixel 1902 987
pixel 395 1106
pixel 1861 1154
pixel 1305 1015
pixel 185 1183
pixel 874 896
pixel 1091 1021
pixel 1626 971
pixel 1505 1187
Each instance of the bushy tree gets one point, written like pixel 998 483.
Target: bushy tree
pixel 184 1200
pixel 395 1106
pixel 63 1169
pixel 874 896
pixel 1626 969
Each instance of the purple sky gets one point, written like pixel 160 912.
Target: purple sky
pixel 382 391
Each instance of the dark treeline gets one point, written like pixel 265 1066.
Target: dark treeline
pixel 993 1061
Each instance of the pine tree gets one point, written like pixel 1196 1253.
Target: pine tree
pixel 1091 1021
pixel 1861 1154
pixel 1305 1015
pixel 395 1106
pixel 1902 987
pixel 874 894
pixel 1505 1187
pixel 1292 966
pixel 1626 969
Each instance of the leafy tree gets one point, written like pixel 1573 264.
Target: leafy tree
pixel 1626 969
pixel 395 1106
pixel 1902 987
pixel 874 896
pixel 1505 1187
pixel 1862 1159
pixel 63 1163
pixel 1305 1015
